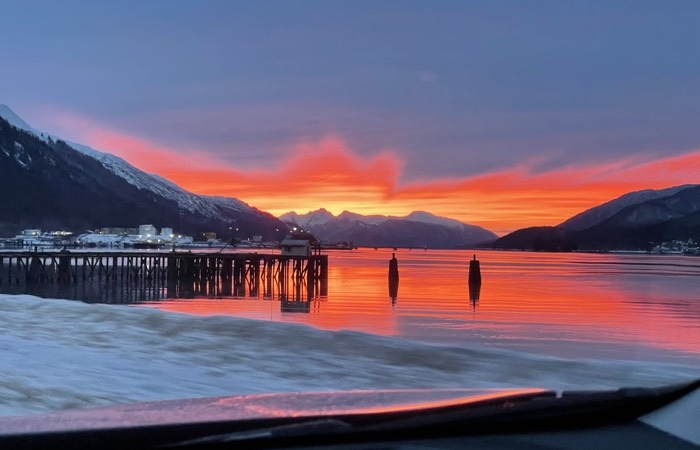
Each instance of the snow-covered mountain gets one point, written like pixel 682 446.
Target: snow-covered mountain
pixel 321 216
pixel 15 120
pixel 310 219
pixel 418 229
pixel 426 217
pixel 600 213
pixel 31 150
pixel 207 205
pixel 367 220
pixel 678 203
pixel 635 221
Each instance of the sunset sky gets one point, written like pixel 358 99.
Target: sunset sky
pixel 499 113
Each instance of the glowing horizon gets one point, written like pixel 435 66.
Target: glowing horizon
pixel 329 174
pixel 486 112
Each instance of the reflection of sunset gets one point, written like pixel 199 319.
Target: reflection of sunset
pixel 369 401
pixel 332 175
pixel 520 292
pixel 540 301
pixel 364 291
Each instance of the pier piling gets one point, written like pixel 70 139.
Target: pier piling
pixel 474 272
pixel 393 277
pixel 177 274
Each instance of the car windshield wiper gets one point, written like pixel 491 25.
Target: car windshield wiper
pixel 302 428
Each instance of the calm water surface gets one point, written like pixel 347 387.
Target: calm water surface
pixel 603 306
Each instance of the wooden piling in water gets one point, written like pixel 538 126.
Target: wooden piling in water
pixel 393 268
pixel 474 272
pixel 393 277
pixel 64 272
pixel 310 274
pixel 255 277
pixel 323 276
pixel 268 271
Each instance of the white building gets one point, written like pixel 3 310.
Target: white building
pixel 295 247
pixel 147 230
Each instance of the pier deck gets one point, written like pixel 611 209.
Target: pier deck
pixel 181 274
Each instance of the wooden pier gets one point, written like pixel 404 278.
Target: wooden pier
pixel 168 274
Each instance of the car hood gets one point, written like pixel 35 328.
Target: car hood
pixel 259 406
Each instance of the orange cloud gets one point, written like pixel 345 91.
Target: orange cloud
pixel 326 175
pixel 150 158
pixel 329 174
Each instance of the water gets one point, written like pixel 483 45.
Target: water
pixel 558 321
pixel 573 305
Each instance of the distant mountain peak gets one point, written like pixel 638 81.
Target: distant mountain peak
pixel 637 221
pixel 221 209
pixel 311 218
pixel 421 214
pixel 420 228
pixel 8 114
pixel 600 213
pixel 207 205
pixel 373 219
pixel 426 217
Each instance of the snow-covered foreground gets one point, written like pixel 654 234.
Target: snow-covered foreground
pixel 59 354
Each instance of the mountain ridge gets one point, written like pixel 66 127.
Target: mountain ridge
pixel 36 153
pixel 143 180
pixel 417 229
pixel 640 221
pixel 598 214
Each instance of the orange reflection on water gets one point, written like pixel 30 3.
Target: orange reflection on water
pixel 556 303
pixel 624 299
